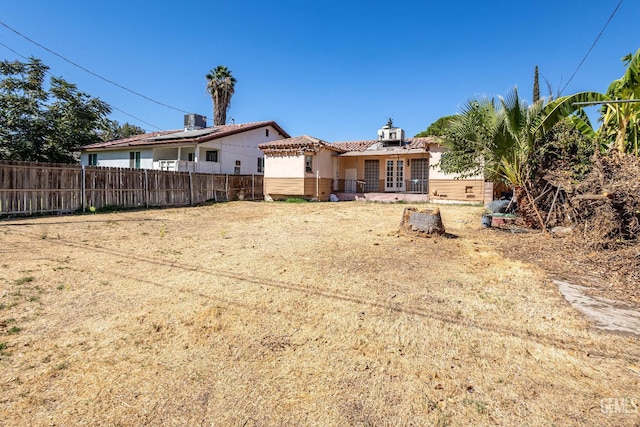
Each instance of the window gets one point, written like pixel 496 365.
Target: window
pixel 260 164
pixel 93 159
pixel 308 163
pixel 236 170
pixel 191 157
pixel 266 132
pixel 212 156
pixel 134 159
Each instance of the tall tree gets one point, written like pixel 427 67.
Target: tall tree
pixel 536 86
pixel 221 86
pixel 112 130
pixel 22 100
pixel 38 124
pixel 436 128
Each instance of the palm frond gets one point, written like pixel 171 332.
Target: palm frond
pixel 562 107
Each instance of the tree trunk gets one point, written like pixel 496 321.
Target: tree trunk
pixel 422 223
pixel 528 212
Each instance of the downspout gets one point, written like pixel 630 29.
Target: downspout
pixel 317 184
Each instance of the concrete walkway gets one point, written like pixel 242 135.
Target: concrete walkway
pixel 607 314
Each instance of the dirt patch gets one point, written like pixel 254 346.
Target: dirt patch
pixel 292 314
pixel 607 273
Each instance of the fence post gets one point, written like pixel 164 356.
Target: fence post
pixel 253 187
pixel 190 189
pixel 146 188
pixel 83 192
pixel 226 186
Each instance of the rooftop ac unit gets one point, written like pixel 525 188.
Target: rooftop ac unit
pixel 391 134
pixel 194 121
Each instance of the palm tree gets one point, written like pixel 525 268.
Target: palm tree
pixel 220 84
pixel 497 137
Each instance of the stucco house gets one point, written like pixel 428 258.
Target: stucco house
pixel 388 168
pixel 227 149
pixel 303 166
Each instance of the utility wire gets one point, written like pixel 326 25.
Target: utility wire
pixel 91 72
pixel 113 107
pixel 591 48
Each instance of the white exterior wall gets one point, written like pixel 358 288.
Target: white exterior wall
pixel 120 158
pixel 241 146
pixel 284 166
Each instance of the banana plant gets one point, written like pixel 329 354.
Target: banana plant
pixel 621 120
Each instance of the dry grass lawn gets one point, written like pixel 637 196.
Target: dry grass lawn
pixel 256 314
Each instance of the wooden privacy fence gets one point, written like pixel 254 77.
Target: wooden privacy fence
pixel 29 188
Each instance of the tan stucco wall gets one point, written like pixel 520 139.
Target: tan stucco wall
pixel 358 163
pixel 323 163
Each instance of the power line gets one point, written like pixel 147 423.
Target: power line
pixel 137 118
pixel 91 72
pixel 113 107
pixel 592 46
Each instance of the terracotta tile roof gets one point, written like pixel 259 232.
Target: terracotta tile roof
pixel 423 142
pixel 354 145
pixel 304 142
pixel 182 136
pixel 411 143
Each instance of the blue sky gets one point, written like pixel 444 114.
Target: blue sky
pixel 335 70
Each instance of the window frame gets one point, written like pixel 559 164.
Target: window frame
pixel 213 153
pixel 308 163
pixel 134 159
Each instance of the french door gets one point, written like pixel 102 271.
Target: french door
pixel 394 179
